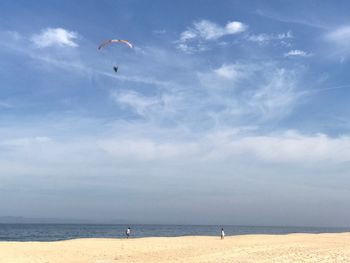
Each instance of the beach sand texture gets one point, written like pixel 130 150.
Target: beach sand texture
pixel 238 249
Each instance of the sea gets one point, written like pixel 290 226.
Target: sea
pixel 55 232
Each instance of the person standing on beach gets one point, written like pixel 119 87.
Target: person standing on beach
pixel 128 232
pixel 222 233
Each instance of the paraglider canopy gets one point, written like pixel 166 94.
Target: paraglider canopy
pixel 110 41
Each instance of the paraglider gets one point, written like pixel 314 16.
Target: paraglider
pixel 110 41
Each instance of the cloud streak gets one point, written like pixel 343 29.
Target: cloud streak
pixel 267 38
pixel 340 35
pixel 137 102
pixel 297 53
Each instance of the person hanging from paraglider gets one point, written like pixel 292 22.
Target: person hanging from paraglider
pixel 115 68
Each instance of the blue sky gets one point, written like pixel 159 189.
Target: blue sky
pixel 222 113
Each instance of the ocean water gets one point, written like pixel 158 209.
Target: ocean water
pixel 53 232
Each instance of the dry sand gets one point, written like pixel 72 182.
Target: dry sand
pixel 249 248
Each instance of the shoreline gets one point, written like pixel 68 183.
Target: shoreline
pixel 170 237
pixel 54 232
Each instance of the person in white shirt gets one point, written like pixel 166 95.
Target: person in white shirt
pixel 222 233
pixel 128 232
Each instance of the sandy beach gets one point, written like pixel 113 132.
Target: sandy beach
pixel 247 248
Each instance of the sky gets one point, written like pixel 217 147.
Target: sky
pixel 229 112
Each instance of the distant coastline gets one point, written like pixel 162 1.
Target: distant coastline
pixel 28 220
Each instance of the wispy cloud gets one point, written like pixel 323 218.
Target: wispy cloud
pixel 137 102
pixel 225 82
pixel 158 108
pixel 267 38
pixel 297 53
pixel 55 37
pixel 262 92
pixel 147 149
pixel 231 71
pixel 198 47
pixel 289 146
pixel 27 141
pixel 284 18
pixel 340 35
pixel 206 30
pixel 278 95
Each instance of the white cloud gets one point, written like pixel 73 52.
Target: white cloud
pixel 289 146
pixel 286 147
pixel 266 38
pixel 55 37
pixel 285 35
pixel 206 30
pixel 235 27
pixel 297 53
pixel 187 35
pixel 212 31
pixel 139 142
pixel 260 38
pixel 229 71
pixel 199 47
